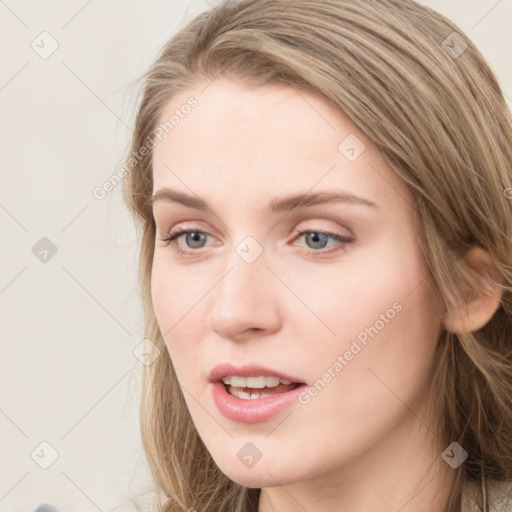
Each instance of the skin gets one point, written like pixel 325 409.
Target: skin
pixel 364 442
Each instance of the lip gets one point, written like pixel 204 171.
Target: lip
pixel 250 411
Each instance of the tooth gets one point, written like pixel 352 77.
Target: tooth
pixel 255 382
pixel 255 395
pixel 271 382
pixel 258 382
pixel 244 395
pixel 240 394
pixel 238 382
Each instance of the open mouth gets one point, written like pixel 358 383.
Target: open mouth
pixel 255 397
pixel 257 388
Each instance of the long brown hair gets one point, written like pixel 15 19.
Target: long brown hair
pixel 424 95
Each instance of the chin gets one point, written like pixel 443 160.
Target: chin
pixel 260 475
pixel 254 480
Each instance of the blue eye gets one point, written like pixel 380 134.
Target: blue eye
pixel 195 238
pixel 173 236
pixel 321 238
pixel 198 238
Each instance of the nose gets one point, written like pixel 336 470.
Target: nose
pixel 245 301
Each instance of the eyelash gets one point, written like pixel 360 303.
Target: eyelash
pixel 171 239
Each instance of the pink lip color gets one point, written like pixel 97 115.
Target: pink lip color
pixel 252 411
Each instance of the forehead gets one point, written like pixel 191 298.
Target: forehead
pixel 259 140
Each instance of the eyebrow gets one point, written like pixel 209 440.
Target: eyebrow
pixel 277 205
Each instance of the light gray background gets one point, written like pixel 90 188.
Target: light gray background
pixel 69 376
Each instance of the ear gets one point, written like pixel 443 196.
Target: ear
pixel 484 299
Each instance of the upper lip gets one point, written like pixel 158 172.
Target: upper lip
pixel 247 370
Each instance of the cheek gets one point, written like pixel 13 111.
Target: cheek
pixel 160 297
pixel 176 308
pixel 165 303
pixel 170 292
pixel 400 357
pixel 353 298
pixel 385 319
pixel 363 395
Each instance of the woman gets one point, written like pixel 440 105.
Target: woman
pixel 324 193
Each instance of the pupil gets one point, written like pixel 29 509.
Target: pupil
pixel 316 237
pixel 196 237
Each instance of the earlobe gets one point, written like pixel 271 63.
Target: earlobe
pixel 485 296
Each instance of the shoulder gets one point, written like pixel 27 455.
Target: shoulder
pixel 500 496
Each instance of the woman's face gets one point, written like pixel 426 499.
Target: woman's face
pixel 346 309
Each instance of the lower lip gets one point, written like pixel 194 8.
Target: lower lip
pixel 252 411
